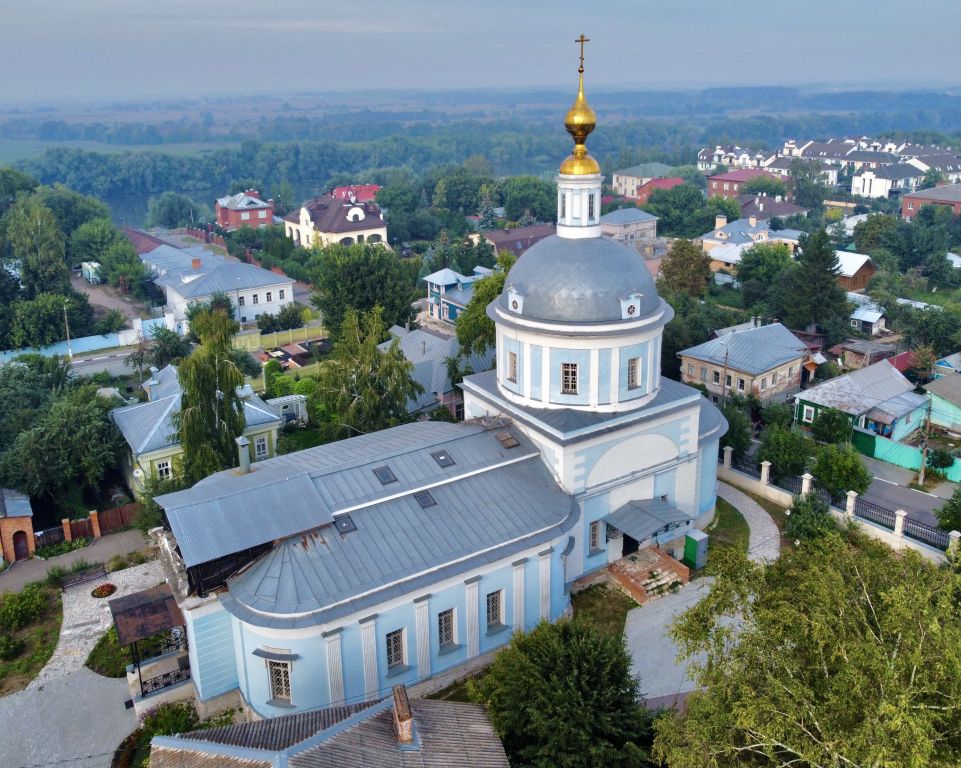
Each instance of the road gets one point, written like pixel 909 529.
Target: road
pixel 918 504
pixel 96 362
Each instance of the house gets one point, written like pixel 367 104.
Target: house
pixel 855 269
pixel 645 191
pixel 397 732
pixel 903 362
pixel 857 353
pixel 245 209
pixel 517 240
pixel 877 398
pixel 189 276
pixel 335 573
pixel 729 184
pixel 449 292
pixel 887 181
pixel 762 207
pixel 947 164
pixel 627 181
pixel 727 241
pixel 428 351
pixel 327 220
pixel 947 194
pixel 948 364
pixel 16 526
pixel 151 433
pixel 780 165
pixel 142 242
pixel 762 360
pixel 868 318
pixel 360 193
pixel 731 156
pixel 945 394
pixel 629 224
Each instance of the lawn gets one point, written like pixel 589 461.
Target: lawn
pixel 110 659
pixel 39 639
pixel 12 150
pixel 729 528
pixel 605 607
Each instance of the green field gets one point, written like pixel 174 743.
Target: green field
pixel 11 151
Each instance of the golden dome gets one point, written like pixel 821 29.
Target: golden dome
pixel 579 122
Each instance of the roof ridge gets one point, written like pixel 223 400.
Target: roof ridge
pixel 174 399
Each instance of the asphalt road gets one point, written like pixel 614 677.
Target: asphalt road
pixel 112 363
pixel 919 505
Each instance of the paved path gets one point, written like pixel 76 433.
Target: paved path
pixel 764 543
pixel 19 574
pixel 87 618
pixel 75 721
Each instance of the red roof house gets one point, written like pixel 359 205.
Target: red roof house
pixel 645 191
pixel 360 193
pixel 729 184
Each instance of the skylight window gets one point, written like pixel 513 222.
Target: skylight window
pixel 443 458
pixel 385 475
pixel 425 499
pixel 344 524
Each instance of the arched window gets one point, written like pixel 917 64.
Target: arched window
pixel 346 241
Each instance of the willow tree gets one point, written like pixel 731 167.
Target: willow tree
pixel 211 411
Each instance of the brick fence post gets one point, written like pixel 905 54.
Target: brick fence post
pixel 95 523
pixel 766 472
pixel 67 532
pixel 899 516
pixel 806 479
pixel 728 455
pixel 852 500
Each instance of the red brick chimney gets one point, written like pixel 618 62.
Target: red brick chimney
pixel 195 262
pixel 403 719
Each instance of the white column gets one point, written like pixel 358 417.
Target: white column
pixel 954 542
pixel 368 642
pixel 615 375
pixel 335 666
pixel 545 374
pixel 765 472
pixel 806 479
pixel 473 630
pixel 422 625
pixel 526 350
pixel 594 379
pixel 728 455
pixel 852 500
pixel 545 574
pixel 899 516
pixel 519 567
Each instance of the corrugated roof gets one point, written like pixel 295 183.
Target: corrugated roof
pixel 948 387
pixel 14 504
pixel 753 351
pixel 641 519
pixel 867 313
pixel 946 193
pixel 645 170
pixel 447 276
pixel 242 201
pixel 220 278
pixel 627 216
pixel 858 392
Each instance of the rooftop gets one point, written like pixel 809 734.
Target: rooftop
pixel 645 170
pixel 744 174
pixel 753 350
pixel 946 193
pixel 948 387
pixel 221 276
pixel 627 216
pixel 858 392
pixel 330 214
pixel 14 504
pixel 243 201
pixel 850 263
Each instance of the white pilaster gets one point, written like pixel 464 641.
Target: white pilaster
pixel 519 594
pixel 615 375
pixel 545 574
pixel 545 374
pixel 594 382
pixel 335 667
pixel 368 642
pixel 473 629
pixel 422 624
pixel 526 350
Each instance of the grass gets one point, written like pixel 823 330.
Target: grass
pixel 729 528
pixel 110 659
pixel 39 640
pixel 604 607
pixel 12 150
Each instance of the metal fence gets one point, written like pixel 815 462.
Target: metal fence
pixel 165 681
pixel 876 514
pixel 747 465
pixel 792 484
pixel 929 535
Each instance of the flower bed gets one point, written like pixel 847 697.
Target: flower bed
pixel 103 590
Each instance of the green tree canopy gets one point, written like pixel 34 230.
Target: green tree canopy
pixel 686 268
pixel 764 185
pixel 949 513
pixel 739 430
pixel 839 469
pixel 870 234
pixel 70 208
pixel 172 209
pixel 289 316
pixel 564 695
pixel 475 330
pixel 40 321
pixel 91 240
pixel 529 193
pixel 38 245
pixel 809 518
pixel 807 184
pixel 813 294
pixel 761 273
pixel 787 450
pixel 831 426
pixel 846 653
pixel 168 347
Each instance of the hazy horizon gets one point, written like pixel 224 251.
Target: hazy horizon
pixel 66 52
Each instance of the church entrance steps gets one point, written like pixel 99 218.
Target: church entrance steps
pixel 648 574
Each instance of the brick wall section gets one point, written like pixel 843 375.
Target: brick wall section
pixel 9 526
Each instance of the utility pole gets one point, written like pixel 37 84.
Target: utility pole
pixel 66 323
pixel 924 445
pixel 724 377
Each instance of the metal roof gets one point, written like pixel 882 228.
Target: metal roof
pixel 947 387
pixel 14 504
pixel 946 193
pixel 145 613
pixel 644 170
pixel 860 391
pixel 627 216
pixel 447 276
pixel 754 350
pixel 220 278
pixel 641 519
pixel 867 313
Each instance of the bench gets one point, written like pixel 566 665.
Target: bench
pixel 82 577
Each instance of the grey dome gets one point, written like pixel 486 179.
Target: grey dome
pixel 580 280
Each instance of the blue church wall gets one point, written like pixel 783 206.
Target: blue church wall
pixel 560 599
pixel 641 351
pixel 594 507
pixel 707 482
pixel 501 579
pixel 604 376
pixel 399 617
pixel 508 345
pixel 451 597
pixel 537 363
pixel 211 647
pixel 580 356
pixel 352 660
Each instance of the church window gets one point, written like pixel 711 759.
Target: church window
pixel 512 366
pixel 279 673
pixel 495 610
pixel 569 378
pixel 445 628
pixel 563 206
pixel 596 536
pixel 590 207
pixel 632 373
pixel 395 649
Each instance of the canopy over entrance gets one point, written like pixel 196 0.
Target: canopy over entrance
pixel 145 614
pixel 645 518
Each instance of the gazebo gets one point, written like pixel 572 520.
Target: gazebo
pixel 146 614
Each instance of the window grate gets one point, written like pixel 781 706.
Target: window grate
pixel 395 648
pixel 632 377
pixel 569 378
pixel 445 627
pixel 493 609
pixel 279 680
pixel 385 475
pixel 443 458
pixel 425 499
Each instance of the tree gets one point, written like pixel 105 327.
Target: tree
pixel 361 388
pixel 777 415
pixel 871 233
pixel 761 272
pixel 91 240
pixel 168 347
pixel 211 412
pixel 692 175
pixel 739 430
pixel 40 321
pixel 813 295
pixel 289 316
pixel 563 695
pixel 932 178
pixel 70 208
pixel 764 185
pixel 475 330
pixel 839 469
pixel 787 450
pixel 360 277
pixel 172 210
pixel 831 426
pixel 686 268
pixel 809 518
pixel 845 653
pixel 38 245
pixel 149 513
pixel 807 184
pixel 531 194
pixel 949 513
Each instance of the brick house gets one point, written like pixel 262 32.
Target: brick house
pixel 946 194
pixel 16 526
pixel 729 184
pixel 644 192
pixel 361 193
pixel 245 209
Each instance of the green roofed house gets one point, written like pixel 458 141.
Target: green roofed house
pixel 878 399
pixel 946 402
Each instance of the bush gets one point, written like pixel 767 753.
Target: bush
pixel 777 415
pixel 787 450
pixel 10 647
pixel 940 458
pixel 831 426
pixel 17 609
pixel 56 573
pixel 62 548
pixel 809 518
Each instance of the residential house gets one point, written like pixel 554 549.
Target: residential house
pixel 903 362
pixel 867 316
pixel 327 220
pixel 862 159
pixel 396 732
pixel 855 270
pixel 945 394
pixel 762 360
pixel 359 193
pixel 730 156
pixel 449 292
pixel 629 224
pixel 780 165
pixel 517 240
pixel 727 241
pixel 245 209
pixel 151 434
pixel 729 184
pixel 888 181
pixel 194 275
pixel 428 351
pixel 947 194
pixel 948 364
pixel 947 164
pixel 627 181
pixel 877 398
pixel 16 526
pixel 858 353
pixel 831 152
pixel 763 207
pixel 644 192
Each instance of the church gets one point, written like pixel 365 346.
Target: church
pixel 330 575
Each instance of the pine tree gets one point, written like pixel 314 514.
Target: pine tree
pixel 813 295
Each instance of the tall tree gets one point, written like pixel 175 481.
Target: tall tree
pixel 564 695
pixel 839 469
pixel 91 240
pixel 686 268
pixel 361 388
pixel 813 295
pixel 39 246
pixel 765 185
pixel 475 330
pixel 173 209
pixel 761 273
pixel 211 412
pixel 845 653
pixel 871 233
pixel 807 184
pixel 41 321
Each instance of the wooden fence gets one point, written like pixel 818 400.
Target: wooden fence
pixel 118 517
pixel 250 342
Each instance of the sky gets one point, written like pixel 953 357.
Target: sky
pixel 96 49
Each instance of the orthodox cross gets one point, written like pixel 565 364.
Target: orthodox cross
pixel 582 40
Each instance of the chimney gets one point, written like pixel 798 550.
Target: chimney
pixel 752 220
pixel 152 383
pixel 195 262
pixel 719 221
pixel 243 454
pixel 403 719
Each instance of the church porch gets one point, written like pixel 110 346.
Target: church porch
pixel 648 574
